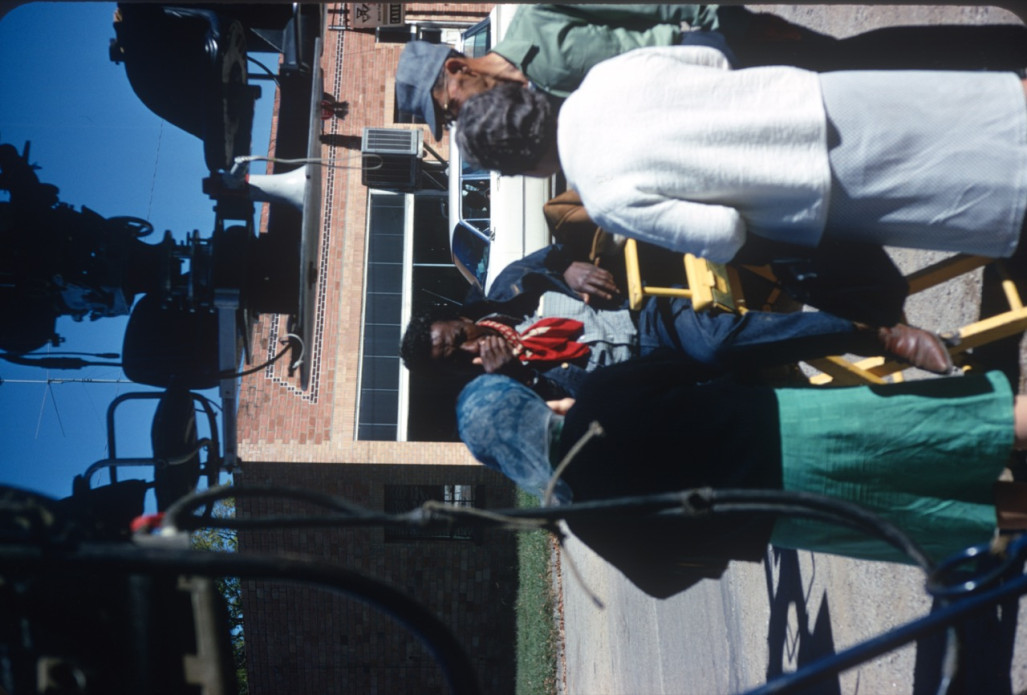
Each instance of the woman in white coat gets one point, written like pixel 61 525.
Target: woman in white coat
pixel 671 146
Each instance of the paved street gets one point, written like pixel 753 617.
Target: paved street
pixel 764 619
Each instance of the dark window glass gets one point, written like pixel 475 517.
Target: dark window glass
pixel 435 281
pixel 403 498
pixel 431 230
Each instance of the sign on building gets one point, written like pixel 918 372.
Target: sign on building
pixel 370 15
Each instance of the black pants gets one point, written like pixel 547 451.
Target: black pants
pixel 766 39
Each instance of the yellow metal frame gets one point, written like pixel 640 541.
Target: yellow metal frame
pixel 637 289
pixel 712 286
pixel 987 330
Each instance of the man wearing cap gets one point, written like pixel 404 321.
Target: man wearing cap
pixel 552 47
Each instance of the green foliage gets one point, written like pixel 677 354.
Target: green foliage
pixel 230 588
pixel 537 636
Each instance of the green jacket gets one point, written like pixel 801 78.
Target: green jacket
pixel 556 45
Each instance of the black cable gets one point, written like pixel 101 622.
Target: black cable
pixel 177 515
pixel 254 370
pixel 265 69
pixel 55 362
pixel 953 578
pixel 835 510
pixel 696 503
pixel 63 353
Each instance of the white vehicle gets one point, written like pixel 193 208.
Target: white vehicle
pixel 494 220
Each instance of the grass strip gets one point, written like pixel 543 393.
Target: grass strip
pixel 536 626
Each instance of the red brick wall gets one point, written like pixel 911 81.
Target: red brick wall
pixel 304 640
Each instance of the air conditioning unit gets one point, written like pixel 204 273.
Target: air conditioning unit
pixel 391 158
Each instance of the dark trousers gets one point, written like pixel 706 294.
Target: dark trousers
pixel 766 39
pixel 728 341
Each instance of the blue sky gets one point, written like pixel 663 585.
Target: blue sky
pixel 96 141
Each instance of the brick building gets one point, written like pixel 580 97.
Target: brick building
pixel 352 432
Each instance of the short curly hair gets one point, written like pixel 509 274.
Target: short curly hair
pixel 508 128
pixel 415 348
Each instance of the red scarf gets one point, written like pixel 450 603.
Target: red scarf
pixel 549 340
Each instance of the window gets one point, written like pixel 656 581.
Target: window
pixel 403 498
pixel 407 247
pixel 383 292
pixel 472 230
pixel 478 39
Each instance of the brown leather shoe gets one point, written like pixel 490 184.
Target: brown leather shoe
pixel 920 348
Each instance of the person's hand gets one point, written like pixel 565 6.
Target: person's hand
pixel 495 354
pixel 561 406
pixel 587 279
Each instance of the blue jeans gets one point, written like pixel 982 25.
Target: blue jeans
pixel 755 339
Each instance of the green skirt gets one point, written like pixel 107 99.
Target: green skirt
pixel 924 455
